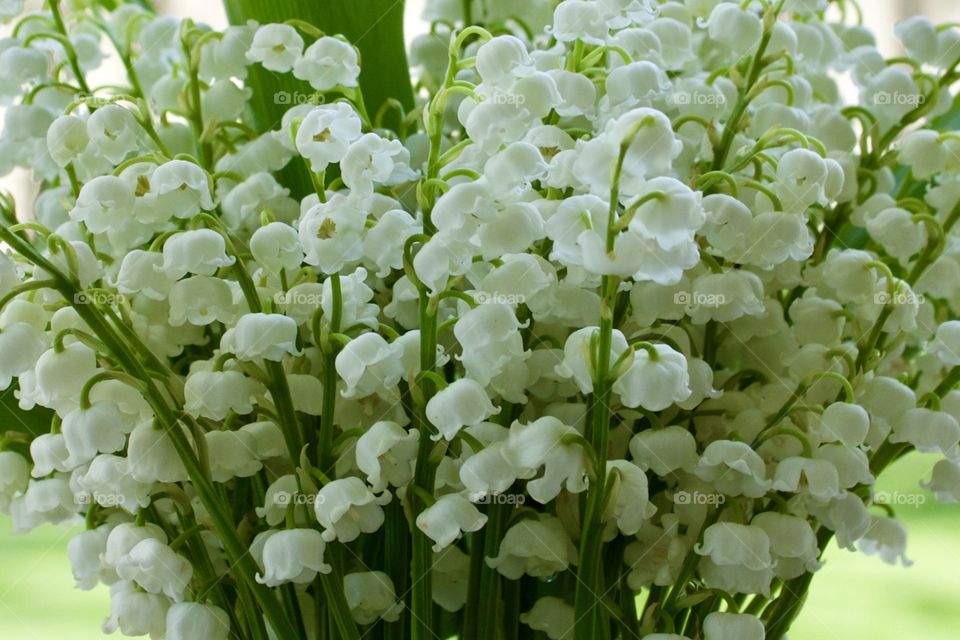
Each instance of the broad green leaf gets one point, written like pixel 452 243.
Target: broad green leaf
pixel 375 27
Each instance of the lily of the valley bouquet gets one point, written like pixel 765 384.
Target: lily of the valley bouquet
pixel 603 331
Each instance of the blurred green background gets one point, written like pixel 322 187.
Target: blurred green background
pixel 855 597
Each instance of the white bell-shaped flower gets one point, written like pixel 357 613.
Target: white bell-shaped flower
pixel 451 569
pixel 279 496
pixel 60 376
pixel 801 180
pixel 101 428
pixel 946 344
pixel 928 431
pixel 537 547
pixel 550 444
pixel 517 164
pixel 330 233
pixel 125 536
pixel 178 189
pixel 85 551
pixel 369 364
pixel 733 626
pixel 630 497
pixel 736 28
pixel 441 258
pixel 104 202
pixel 355 299
pixel 725 296
pixel 14 477
pixel 501 59
pixel 201 252
pixel 672 218
pixel 233 455
pixel 733 468
pixel 730 544
pixel 887 538
pixel 142 272
pixel 664 451
pixel 463 403
pixel 371 596
pixel 267 336
pixel 214 394
pixel 328 63
pixel 448 518
pixel 276 46
pixel 487 472
pixel 45 501
pixel 110 483
pixel 847 516
pixel 891 94
pixel 66 139
pixel 654 383
pixel 293 555
pixel 113 132
pixel 156 568
pixel 844 422
pixel 189 620
pixel 383 243
pixel 49 453
pixel 21 346
pixel 808 476
pixel 924 152
pixel 577 356
pixel 372 160
pixel 580 20
pixel 136 613
pixel 851 463
pixel 153 457
pixel 918 34
pixel 244 203
pixel 326 133
pixel 652 149
pixel 944 481
pixel 276 247
pixel 895 230
pixel 793 543
pixel 201 300
pixel 552 616
pixel 345 508
pixel 264 438
pixel 386 453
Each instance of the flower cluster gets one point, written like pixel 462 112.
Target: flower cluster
pixel 632 303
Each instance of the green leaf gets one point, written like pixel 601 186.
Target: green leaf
pixel 12 418
pixel 375 27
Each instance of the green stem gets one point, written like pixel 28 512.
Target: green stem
pixel 424 479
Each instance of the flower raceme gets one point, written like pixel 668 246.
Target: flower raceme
pixel 630 293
